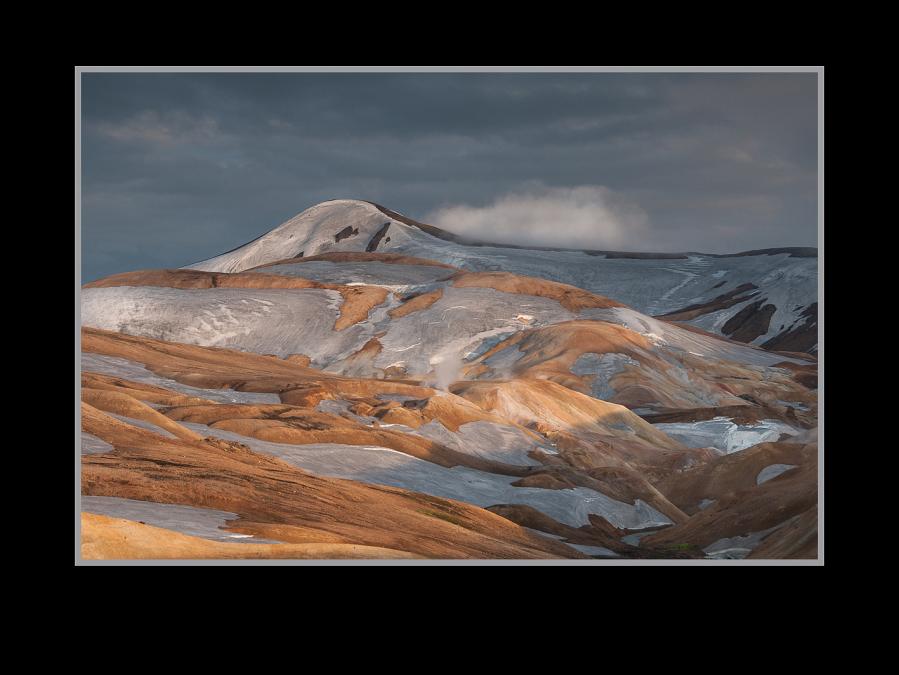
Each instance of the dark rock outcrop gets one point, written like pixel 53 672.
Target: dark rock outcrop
pixel 750 322
pixel 376 239
pixel 345 233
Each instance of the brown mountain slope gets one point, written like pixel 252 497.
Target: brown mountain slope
pixel 648 375
pixel 731 473
pixel 228 476
pixel 104 538
pixel 748 511
pixel 571 298
pixel 796 539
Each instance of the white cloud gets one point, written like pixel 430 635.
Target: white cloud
pixel 592 217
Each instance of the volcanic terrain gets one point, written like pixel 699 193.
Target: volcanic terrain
pixel 355 384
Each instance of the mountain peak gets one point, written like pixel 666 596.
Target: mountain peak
pixel 334 225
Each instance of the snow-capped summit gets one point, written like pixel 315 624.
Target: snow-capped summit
pixel 337 225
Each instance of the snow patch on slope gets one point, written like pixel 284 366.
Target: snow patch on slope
pixel 190 520
pixel 384 466
pixel 295 321
pixel 772 471
pixel 723 434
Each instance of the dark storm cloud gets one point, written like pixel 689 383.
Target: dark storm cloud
pixel 179 167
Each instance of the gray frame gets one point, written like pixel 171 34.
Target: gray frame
pixel 819 70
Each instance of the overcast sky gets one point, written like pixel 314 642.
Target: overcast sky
pixel 180 167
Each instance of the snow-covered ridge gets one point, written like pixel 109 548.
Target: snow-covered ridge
pixel 654 284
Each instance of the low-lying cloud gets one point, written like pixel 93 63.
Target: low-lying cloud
pixel 592 217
